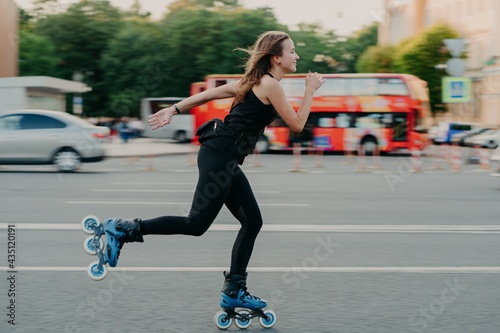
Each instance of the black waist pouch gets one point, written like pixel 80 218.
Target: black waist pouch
pixel 209 129
pixel 242 144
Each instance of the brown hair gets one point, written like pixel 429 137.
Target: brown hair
pixel 259 61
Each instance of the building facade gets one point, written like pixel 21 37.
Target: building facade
pixel 476 21
pixel 8 38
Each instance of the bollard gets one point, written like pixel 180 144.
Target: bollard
pixel 416 159
pixel 361 159
pixel 348 149
pixel 485 159
pixel 456 158
pixel 437 156
pixel 319 157
pixel 475 157
pixel 376 158
pixel 297 155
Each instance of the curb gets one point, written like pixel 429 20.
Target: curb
pixel 145 148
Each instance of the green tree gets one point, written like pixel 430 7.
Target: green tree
pixel 420 55
pixel 134 67
pixel 347 51
pixel 37 55
pixel 200 4
pixel 148 59
pixel 201 42
pixel 376 59
pixel 314 47
pixel 80 35
pixel 124 56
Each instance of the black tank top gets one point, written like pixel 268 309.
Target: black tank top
pixel 250 116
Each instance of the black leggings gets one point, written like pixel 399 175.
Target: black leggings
pixel 221 181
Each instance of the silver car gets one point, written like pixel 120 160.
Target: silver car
pixel 49 137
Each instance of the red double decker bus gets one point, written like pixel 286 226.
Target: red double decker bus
pixel 388 112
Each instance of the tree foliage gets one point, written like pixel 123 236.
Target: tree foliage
pixel 348 50
pixel 315 48
pixel 420 55
pixel 38 55
pixel 125 56
pixel 376 59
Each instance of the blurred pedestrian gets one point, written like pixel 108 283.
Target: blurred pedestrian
pixel 124 130
pixel 258 99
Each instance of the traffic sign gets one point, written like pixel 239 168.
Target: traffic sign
pixel 455 46
pixel 455 67
pixel 456 89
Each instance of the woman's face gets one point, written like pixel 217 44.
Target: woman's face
pixel 288 60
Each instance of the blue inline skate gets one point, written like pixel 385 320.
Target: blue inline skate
pixel 117 232
pixel 235 295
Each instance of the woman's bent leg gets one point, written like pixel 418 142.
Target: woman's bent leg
pixel 214 182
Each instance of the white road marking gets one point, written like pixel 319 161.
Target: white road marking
pixel 167 203
pixel 420 270
pixel 167 183
pixel 165 191
pixel 479 229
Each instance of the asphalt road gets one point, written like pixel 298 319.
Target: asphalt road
pixel 382 251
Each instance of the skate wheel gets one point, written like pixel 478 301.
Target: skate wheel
pixel 95 273
pixel 243 320
pixel 88 222
pixel 88 245
pixel 268 323
pixel 221 320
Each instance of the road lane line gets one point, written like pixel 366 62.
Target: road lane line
pixel 419 270
pixel 168 203
pixel 171 183
pixel 165 191
pixel 485 229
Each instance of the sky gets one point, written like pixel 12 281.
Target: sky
pixel 343 16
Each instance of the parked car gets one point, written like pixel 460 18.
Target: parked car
pixel 49 137
pixel 459 138
pixel 489 139
pixel 445 130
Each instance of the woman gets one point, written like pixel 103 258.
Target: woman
pixel 258 99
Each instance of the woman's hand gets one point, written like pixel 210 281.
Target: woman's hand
pixel 314 81
pixel 161 118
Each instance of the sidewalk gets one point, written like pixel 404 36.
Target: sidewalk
pixel 146 147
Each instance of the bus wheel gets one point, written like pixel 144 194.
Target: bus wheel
pixel 369 145
pixel 262 145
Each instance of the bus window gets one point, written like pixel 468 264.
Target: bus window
pixel 369 120
pixel 332 87
pixel 363 87
pixel 344 120
pixel 387 119
pixel 392 87
pixel 293 87
pixel 326 122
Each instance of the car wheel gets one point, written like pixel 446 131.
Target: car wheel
pixel 492 144
pixel 67 160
